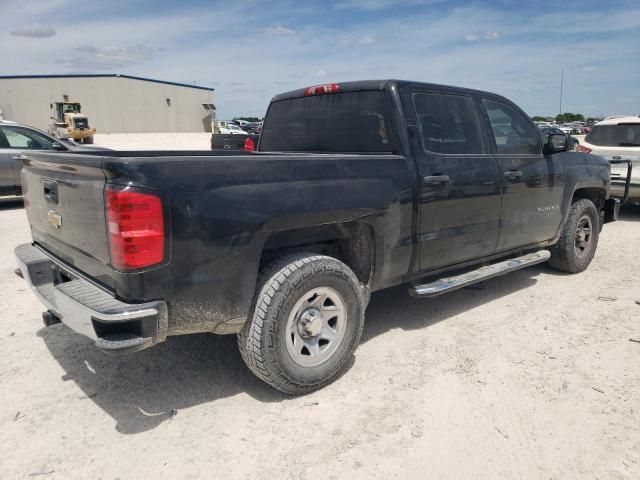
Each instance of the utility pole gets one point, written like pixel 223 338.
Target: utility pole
pixel 561 85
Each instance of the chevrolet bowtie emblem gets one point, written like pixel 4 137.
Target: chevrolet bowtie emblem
pixel 54 219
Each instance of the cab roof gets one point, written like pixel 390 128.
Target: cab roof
pixel 361 85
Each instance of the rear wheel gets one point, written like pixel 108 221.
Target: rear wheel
pixel 306 322
pixel 88 140
pixel 577 245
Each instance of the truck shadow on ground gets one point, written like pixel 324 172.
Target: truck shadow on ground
pixel 195 369
pixel 11 203
pixel 629 213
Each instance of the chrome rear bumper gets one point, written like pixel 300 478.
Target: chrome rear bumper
pixel 116 326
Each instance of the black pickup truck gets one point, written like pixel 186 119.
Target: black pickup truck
pixel 355 187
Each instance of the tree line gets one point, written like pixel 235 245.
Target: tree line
pixel 566 117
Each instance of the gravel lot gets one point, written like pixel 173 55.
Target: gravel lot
pixel 530 376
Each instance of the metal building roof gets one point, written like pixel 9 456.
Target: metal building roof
pixel 95 75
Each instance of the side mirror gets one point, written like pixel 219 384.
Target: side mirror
pixel 556 143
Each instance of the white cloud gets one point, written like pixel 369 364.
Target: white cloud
pixel 110 57
pixel 34 31
pixel 366 40
pixel 589 68
pixel 474 37
pixel 279 30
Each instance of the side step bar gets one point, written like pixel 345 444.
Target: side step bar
pixel 449 284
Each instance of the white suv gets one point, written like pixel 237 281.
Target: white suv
pixel 617 139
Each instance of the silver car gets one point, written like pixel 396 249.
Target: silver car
pixel 16 139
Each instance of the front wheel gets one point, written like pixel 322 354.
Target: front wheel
pixel 306 322
pixel 577 244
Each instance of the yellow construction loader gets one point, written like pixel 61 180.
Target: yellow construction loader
pixel 69 122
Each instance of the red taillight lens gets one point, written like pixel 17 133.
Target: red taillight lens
pixel 135 228
pixel 580 148
pixel 249 144
pixel 321 89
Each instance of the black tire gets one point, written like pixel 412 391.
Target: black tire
pixel 263 341
pixel 570 254
pixel 88 140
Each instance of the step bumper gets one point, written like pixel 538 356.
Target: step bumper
pixel 87 309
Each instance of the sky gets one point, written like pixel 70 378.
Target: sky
pixel 250 50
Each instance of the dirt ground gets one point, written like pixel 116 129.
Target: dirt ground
pixel 154 141
pixel 529 376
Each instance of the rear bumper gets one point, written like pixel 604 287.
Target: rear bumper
pixel 116 327
pixel 617 189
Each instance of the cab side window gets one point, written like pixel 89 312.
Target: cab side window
pixel 25 139
pixel 448 123
pixel 513 133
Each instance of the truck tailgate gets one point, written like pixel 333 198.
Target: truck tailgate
pixel 64 201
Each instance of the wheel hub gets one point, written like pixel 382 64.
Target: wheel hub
pixel 316 326
pixel 583 236
pixel 310 323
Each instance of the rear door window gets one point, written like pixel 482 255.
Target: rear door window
pixel 513 133
pixel 621 135
pixel 353 122
pixel 448 123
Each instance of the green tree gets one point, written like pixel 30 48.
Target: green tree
pixel 569 117
pixel 248 119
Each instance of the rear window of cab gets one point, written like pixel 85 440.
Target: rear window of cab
pixel 350 122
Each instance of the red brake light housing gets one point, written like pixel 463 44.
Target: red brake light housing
pixel 135 228
pixel 321 89
pixel 249 144
pixel 580 148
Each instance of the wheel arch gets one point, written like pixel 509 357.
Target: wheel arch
pixel 597 195
pixel 353 243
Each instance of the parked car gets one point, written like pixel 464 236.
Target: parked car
pixel 356 187
pixel 15 139
pixel 228 128
pixel 253 128
pixel 617 138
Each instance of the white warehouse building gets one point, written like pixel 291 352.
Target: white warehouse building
pixel 113 103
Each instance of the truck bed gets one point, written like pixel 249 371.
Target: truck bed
pixel 221 211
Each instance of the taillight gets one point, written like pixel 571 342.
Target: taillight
pixel 321 89
pixel 249 144
pixel 135 225
pixel 580 148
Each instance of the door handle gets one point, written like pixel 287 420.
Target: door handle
pixel 513 175
pixel 436 179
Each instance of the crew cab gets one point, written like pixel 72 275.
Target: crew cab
pixel 354 187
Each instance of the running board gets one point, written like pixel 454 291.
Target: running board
pixel 449 284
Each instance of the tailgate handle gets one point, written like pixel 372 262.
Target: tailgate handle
pixel 51 190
